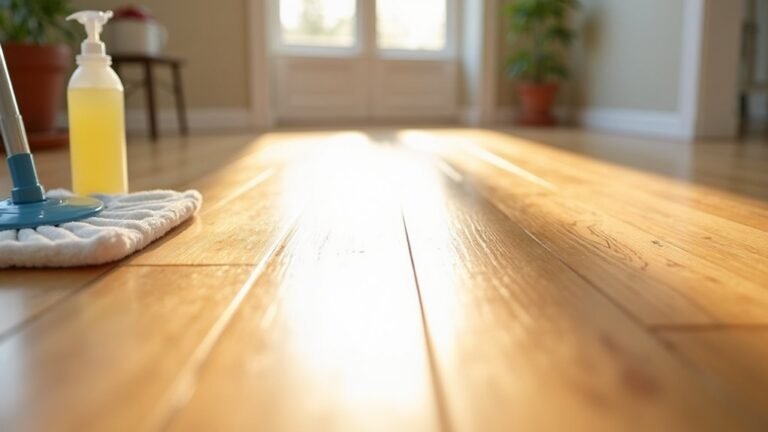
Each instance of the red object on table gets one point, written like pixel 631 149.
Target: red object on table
pixel 134 12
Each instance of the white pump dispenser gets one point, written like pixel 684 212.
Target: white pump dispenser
pixel 92 47
pixel 96 115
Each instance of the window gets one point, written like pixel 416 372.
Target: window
pixel 318 23
pixel 392 29
pixel 411 24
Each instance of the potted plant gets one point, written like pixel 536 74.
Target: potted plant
pixel 539 32
pixel 32 33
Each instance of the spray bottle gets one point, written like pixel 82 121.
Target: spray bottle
pixel 96 115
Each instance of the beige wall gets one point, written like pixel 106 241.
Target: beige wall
pixel 620 60
pixel 211 36
pixel 627 56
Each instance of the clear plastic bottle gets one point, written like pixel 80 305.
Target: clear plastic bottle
pixel 95 105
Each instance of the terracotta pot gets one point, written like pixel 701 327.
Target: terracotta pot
pixel 536 102
pixel 39 76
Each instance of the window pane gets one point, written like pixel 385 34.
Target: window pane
pixel 411 24
pixel 328 23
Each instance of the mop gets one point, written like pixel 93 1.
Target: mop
pixel 59 229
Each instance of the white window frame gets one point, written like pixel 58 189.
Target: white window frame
pixel 447 53
pixel 366 37
pixel 278 46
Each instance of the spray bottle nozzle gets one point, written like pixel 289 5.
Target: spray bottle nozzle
pixel 93 22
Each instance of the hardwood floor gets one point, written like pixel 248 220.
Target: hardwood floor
pixel 411 280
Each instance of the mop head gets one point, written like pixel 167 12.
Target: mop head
pixel 127 224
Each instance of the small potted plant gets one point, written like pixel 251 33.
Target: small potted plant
pixel 539 32
pixel 33 35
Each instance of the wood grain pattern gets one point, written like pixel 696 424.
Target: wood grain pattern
pixel 656 265
pixel 104 359
pixel 514 327
pixel 652 277
pixel 227 234
pixel 723 243
pixel 411 279
pixel 254 201
pixel 26 294
pixel 333 330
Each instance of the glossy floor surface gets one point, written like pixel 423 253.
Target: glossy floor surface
pixel 412 280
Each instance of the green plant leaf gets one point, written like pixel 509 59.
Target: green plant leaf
pixel 560 33
pixel 34 21
pixel 519 65
pixel 539 30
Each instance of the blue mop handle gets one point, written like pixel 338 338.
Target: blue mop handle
pixel 26 186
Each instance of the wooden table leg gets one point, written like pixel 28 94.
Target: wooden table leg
pixel 149 85
pixel 178 91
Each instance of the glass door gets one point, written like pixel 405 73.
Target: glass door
pixel 324 25
pixel 412 27
pixel 364 59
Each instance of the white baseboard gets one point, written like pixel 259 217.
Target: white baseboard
pixel 198 119
pixel 663 124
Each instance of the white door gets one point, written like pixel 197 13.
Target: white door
pixel 364 59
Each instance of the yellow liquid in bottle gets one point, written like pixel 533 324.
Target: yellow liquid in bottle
pixel 97 141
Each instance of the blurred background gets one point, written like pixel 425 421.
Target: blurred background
pixel 678 69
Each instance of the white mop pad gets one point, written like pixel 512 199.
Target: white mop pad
pixel 127 224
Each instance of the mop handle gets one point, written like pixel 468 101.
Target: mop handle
pixel 26 186
pixel 11 125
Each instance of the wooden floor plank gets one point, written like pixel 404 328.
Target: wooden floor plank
pixel 259 200
pixel 725 244
pixel 582 162
pixel 513 327
pixel 638 198
pixel 28 293
pixel 103 359
pixel 330 338
pixel 659 282
pixel 226 235
pixel 25 294
pixel 719 167
pixel 639 264
pixel 742 210
pixel 737 356
pixel 268 153
pixel 538 266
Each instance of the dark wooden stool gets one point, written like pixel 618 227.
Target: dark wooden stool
pixel 147 63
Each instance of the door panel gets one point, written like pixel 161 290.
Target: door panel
pixel 364 59
pixel 321 88
pixel 414 88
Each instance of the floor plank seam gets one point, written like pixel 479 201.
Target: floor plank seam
pixel 470 182
pixel 715 383
pixel 692 300
pixel 505 164
pixel 183 387
pixel 255 181
pixel 695 328
pixel 481 192
pixel 439 391
pixel 7 334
